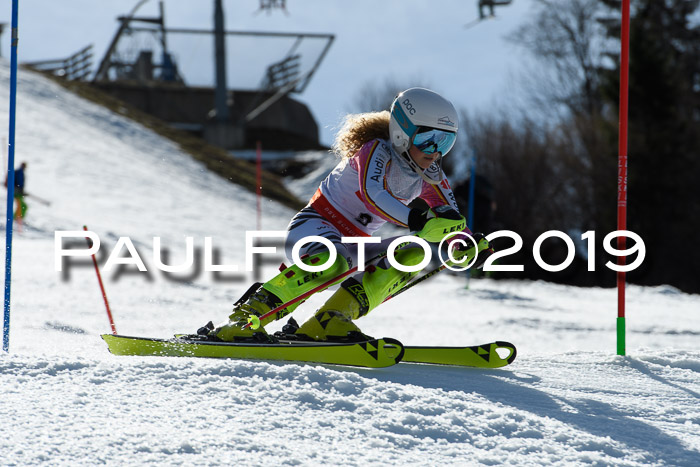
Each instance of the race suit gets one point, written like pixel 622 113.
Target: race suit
pixel 361 194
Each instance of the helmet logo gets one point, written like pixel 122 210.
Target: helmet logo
pixel 402 120
pixel 409 107
pixel 445 121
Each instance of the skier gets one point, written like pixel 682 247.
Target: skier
pixel 21 209
pixel 389 158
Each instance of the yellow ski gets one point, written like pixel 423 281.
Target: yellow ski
pixel 375 353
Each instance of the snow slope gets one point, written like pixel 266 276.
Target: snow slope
pixel 567 399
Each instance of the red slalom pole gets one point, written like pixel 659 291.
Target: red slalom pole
pixel 102 287
pixel 258 182
pixel 622 172
pixel 258 203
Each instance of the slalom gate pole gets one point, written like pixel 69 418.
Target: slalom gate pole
pixel 472 192
pixel 622 172
pixel 470 214
pixel 102 287
pixel 258 205
pixel 258 182
pixel 10 179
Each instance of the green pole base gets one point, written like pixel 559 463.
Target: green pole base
pixel 621 336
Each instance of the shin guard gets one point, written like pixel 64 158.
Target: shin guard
pixel 294 281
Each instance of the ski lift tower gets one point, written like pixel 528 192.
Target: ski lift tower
pixel 222 129
pixel 230 118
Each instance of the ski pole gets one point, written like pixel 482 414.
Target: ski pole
pixel 255 320
pixel 102 287
pixel 428 275
pixel 40 200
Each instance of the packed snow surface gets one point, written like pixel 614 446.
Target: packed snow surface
pixel 567 398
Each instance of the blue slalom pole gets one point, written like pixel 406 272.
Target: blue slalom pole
pixel 472 184
pixel 10 180
pixel 470 214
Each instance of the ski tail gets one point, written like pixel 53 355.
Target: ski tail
pixel 371 353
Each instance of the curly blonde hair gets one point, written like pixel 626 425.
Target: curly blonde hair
pixel 357 129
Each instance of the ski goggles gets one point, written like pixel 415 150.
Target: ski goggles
pixel 431 140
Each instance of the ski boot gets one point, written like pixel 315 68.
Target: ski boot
pixel 333 321
pixel 255 302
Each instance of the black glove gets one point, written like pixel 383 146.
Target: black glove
pixel 418 218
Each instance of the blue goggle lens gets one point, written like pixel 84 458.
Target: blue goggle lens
pixel 431 140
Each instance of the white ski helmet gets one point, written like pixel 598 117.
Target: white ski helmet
pixel 416 110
